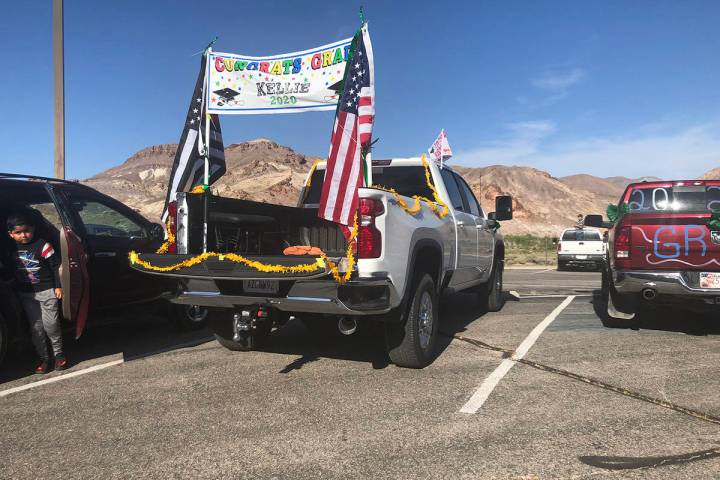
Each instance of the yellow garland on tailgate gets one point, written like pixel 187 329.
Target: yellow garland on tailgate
pixel 171 238
pixel 438 207
pixel 318 264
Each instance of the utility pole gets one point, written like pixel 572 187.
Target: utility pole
pixel 59 87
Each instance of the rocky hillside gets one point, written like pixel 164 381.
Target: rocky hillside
pixel 265 171
pixel 258 170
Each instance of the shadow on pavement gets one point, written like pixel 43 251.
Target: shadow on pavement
pixel 127 338
pixel 666 319
pixel 366 345
pixel 456 313
pixel 632 463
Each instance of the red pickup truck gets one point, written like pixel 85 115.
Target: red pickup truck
pixel 663 247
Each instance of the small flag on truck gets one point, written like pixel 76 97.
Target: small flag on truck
pixel 352 134
pixel 440 149
pixel 189 165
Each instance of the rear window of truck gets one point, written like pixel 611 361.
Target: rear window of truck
pixel 677 198
pixel 407 181
pixel 581 236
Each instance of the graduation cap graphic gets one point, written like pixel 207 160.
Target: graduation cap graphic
pixel 226 95
pixel 337 88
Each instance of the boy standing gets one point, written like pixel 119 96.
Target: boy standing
pixel 38 286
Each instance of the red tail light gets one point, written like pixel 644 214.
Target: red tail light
pixel 369 240
pixel 172 228
pixel 622 247
pixel 559 247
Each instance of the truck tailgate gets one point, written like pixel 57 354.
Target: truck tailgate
pixel 673 241
pixel 214 267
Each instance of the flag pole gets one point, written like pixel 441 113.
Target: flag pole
pixel 206 150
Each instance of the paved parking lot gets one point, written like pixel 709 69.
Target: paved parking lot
pixel 178 405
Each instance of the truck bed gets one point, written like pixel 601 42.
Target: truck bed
pixel 253 228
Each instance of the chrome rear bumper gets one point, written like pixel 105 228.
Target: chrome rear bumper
pixel 362 297
pixel 664 284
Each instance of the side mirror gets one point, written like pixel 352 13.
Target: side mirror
pixel 596 221
pixel 157 232
pixel 503 208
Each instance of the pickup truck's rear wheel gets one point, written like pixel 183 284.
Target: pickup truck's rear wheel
pixel 619 313
pixel 189 317
pixel 411 342
pixel 222 326
pixel 491 293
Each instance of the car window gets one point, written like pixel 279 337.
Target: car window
pixel 407 181
pixel 581 236
pixel 453 191
pixel 102 220
pixel 470 197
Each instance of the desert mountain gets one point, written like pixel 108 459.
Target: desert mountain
pixel 258 170
pixel 264 171
pixel 713 174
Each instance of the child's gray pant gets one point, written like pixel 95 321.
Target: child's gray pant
pixel 41 309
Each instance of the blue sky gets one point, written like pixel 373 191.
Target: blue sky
pixel 601 87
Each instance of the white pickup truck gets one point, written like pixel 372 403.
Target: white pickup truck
pixel 404 260
pixel 581 247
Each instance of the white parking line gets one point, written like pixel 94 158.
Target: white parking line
pixel 102 366
pixel 64 376
pixel 483 392
pixel 543 271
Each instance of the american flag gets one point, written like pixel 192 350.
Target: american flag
pixel 189 166
pixel 351 135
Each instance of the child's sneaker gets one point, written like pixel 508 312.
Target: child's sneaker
pixel 42 368
pixel 61 362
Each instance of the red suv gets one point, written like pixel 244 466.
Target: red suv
pixel 663 247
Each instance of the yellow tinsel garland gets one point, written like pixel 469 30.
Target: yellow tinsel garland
pixel 318 264
pixel 171 238
pixel 438 207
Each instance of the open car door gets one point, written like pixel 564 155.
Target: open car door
pixel 75 280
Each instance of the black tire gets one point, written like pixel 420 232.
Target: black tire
pixel 491 293
pixel 4 341
pixel 411 342
pixel 189 317
pixel 605 284
pixel 609 294
pixel 222 326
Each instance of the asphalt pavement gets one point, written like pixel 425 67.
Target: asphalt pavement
pixel 562 395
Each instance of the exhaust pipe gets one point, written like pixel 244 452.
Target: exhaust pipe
pixel 347 325
pixel 649 294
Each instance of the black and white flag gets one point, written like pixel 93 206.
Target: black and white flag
pixel 189 165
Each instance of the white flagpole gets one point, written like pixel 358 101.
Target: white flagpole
pixel 206 150
pixel 206 180
pixel 442 157
pixel 368 166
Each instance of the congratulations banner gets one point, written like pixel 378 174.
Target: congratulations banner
pixel 294 82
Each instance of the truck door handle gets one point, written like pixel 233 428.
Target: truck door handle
pixel 105 254
pixel 460 223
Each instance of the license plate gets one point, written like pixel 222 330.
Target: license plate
pixel 260 286
pixel 581 257
pixel 709 280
